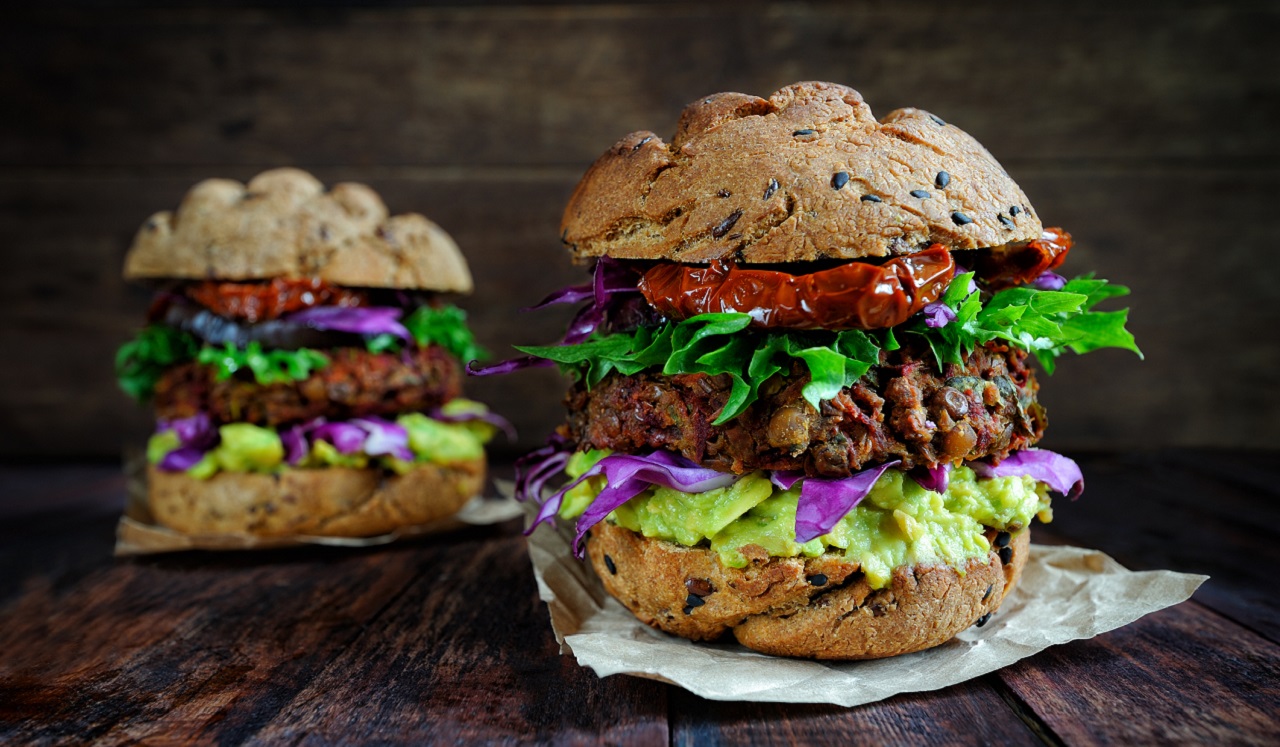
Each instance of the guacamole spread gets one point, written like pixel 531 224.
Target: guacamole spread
pixel 898 523
pixel 243 447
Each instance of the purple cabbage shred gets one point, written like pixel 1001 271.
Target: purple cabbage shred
pixel 936 478
pixel 938 314
pixel 628 475
pixel 182 459
pixel 534 469
pixel 825 502
pixel 384 437
pixel 370 320
pixel 507 366
pixel 612 283
pixel 1049 281
pixel 196 436
pixel 1055 470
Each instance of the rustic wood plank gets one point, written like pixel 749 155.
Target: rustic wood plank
pixel 56 523
pixel 507 86
pixel 969 713
pixel 1148 512
pixel 194 643
pixel 445 639
pixel 1180 676
pixel 445 636
pixel 466 655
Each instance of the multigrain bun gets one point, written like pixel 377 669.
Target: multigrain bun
pixel 329 502
pixel 820 607
pixel 806 174
pixel 284 224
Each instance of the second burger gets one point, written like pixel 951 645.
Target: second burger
pixel 304 368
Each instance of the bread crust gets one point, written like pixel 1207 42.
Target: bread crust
pixel 327 502
pixel 803 175
pixel 284 224
pixel 774 605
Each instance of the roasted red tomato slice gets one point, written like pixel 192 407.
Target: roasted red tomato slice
pixel 1015 264
pixel 856 295
pixel 263 300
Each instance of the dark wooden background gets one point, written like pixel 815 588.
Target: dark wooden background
pixel 1148 129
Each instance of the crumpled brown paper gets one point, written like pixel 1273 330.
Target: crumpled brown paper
pixel 137 533
pixel 1066 594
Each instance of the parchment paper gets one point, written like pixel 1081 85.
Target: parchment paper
pixel 137 533
pixel 1066 594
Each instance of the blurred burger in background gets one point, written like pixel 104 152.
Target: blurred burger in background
pixel 804 412
pixel 304 368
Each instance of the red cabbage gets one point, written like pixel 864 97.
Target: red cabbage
pixel 610 278
pixel 785 480
pixel 584 324
pixel 196 436
pixel 345 437
pixel 295 440
pixel 571 294
pixel 197 430
pixel 534 469
pixel 825 502
pixel 936 478
pixel 938 314
pixel 507 366
pixel 1049 281
pixel 1052 469
pixel 182 459
pixel 628 475
pixel 384 437
pixel 369 320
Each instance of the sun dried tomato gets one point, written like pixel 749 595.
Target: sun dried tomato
pixel 257 301
pixel 1015 264
pixel 856 295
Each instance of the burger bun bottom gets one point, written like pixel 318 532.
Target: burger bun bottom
pixel 327 502
pixel 820 608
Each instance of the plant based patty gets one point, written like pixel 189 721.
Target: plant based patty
pixel 903 409
pixel 355 383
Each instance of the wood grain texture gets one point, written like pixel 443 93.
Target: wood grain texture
pixel 969 713
pixel 1179 676
pixel 526 86
pixel 1146 130
pixel 444 640
pixel 1165 511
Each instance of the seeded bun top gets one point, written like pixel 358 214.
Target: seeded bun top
pixel 806 174
pixel 284 224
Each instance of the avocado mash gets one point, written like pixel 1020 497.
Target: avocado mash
pixel 249 448
pixel 898 523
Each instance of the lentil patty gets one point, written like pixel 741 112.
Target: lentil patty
pixel 354 384
pixel 905 408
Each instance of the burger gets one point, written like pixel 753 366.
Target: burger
pixel 804 410
pixel 304 370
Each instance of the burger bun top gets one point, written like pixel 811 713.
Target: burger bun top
pixel 284 224
pixel 807 174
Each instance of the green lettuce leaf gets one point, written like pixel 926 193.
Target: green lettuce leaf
pixel 267 366
pixel 141 361
pixel 721 344
pixel 445 326
pixel 1045 323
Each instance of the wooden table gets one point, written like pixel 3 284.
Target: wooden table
pixel 445 639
